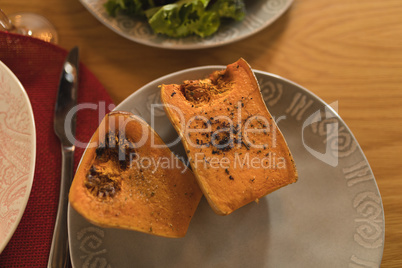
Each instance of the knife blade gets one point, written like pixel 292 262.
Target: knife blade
pixel 64 127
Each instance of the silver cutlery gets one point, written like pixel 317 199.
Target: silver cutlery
pixel 64 127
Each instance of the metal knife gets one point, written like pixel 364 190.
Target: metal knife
pixel 64 127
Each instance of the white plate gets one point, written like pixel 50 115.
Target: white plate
pixel 260 14
pixel 17 152
pixel 331 217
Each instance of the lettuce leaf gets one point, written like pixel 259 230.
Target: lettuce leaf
pixel 234 9
pixel 183 17
pixel 129 7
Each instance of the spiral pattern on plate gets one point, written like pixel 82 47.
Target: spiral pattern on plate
pixel 91 240
pixel 274 5
pixel 271 92
pixel 369 232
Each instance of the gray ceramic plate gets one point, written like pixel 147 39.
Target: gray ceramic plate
pixel 260 14
pixel 332 217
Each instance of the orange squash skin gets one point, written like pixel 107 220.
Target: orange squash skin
pixel 142 197
pixel 227 109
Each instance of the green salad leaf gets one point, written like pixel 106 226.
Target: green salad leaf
pixel 180 18
pixel 129 7
pixel 233 9
pixel 183 18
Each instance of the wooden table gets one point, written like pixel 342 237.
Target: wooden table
pixel 341 50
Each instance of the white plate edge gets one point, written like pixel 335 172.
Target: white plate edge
pixel 33 159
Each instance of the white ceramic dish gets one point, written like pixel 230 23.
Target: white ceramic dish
pixel 17 152
pixel 260 14
pixel 332 217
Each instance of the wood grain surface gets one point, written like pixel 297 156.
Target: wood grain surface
pixel 349 51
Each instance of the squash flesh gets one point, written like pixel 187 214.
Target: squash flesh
pixel 235 148
pixel 135 193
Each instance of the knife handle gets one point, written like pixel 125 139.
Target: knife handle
pixel 59 252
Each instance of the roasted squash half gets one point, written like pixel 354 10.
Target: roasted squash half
pixel 129 179
pixel 235 148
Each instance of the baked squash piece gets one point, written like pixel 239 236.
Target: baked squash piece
pixel 129 179
pixel 235 148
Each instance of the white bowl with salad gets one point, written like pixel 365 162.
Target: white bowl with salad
pixel 186 24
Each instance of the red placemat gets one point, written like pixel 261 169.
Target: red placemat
pixel 38 65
